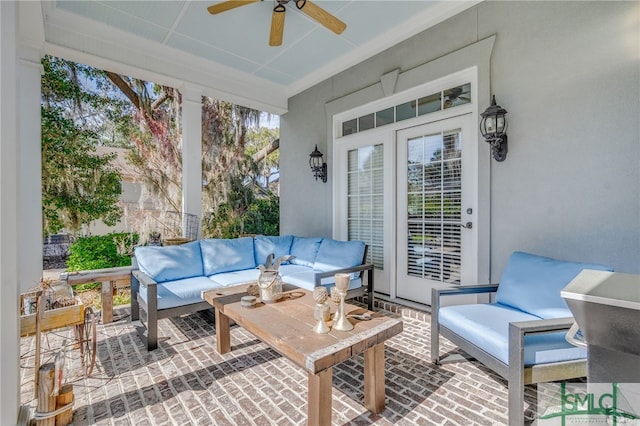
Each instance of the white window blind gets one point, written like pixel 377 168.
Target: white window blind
pixel 434 167
pixel 366 200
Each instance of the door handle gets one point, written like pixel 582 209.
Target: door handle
pixel 467 225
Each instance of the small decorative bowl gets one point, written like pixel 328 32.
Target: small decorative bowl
pixel 248 301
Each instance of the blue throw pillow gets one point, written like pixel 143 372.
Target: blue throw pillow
pixel 221 255
pixel 171 262
pixel 334 254
pixel 533 283
pixel 266 245
pixel 305 250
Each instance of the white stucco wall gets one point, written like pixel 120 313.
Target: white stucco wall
pixel 569 75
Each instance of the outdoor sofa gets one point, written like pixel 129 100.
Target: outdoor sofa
pixel 520 336
pixel 169 281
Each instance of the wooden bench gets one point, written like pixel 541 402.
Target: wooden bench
pixel 111 279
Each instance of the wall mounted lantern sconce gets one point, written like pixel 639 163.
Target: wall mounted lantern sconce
pixel 318 165
pixel 493 127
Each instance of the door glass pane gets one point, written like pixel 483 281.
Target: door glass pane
pixel 434 164
pixel 366 200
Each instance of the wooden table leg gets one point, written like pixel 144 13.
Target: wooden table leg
pixel 319 398
pixel 107 301
pixel 223 332
pixel 374 378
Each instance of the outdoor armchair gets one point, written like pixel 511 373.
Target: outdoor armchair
pixel 520 336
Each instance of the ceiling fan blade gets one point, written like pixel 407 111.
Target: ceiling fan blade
pixel 228 5
pixel 321 16
pixel 277 25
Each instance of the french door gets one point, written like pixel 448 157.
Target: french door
pixel 436 238
pixel 365 185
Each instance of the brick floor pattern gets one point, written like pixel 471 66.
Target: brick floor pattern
pixel 186 382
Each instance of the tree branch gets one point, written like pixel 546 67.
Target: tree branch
pixel 163 97
pixel 264 152
pixel 124 87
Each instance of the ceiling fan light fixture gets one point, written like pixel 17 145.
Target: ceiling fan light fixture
pixel 307 7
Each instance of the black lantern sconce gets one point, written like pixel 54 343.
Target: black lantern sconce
pixel 493 127
pixel 318 165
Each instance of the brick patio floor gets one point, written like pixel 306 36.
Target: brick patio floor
pixel 186 382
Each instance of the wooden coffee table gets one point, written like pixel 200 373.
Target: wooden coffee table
pixel 286 326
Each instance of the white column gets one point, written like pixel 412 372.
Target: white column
pixel 192 150
pixel 29 169
pixel 9 293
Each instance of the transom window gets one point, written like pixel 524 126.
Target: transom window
pixel 445 99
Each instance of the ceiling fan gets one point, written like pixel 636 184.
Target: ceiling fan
pixel 312 10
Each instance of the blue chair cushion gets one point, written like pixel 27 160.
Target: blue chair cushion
pixel 533 283
pixel 180 292
pixel 487 327
pixel 225 279
pixel 171 262
pixel 334 254
pixel 266 245
pixel 305 250
pixel 221 255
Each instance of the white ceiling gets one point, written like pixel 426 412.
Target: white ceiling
pixel 227 55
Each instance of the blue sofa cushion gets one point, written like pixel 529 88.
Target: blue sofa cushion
pixel 171 262
pixel 180 292
pixel 533 283
pixel 265 245
pixel 306 280
pixel 487 327
pixel 220 255
pixel 305 250
pixel 292 269
pixel 226 279
pixel 334 254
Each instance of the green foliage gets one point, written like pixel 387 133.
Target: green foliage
pixel 86 96
pixel 100 251
pixel 78 185
pixel 87 287
pixel 262 217
pixel 122 298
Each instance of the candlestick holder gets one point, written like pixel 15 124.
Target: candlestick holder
pixel 321 312
pixel 341 322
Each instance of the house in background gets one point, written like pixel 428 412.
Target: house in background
pixel 129 197
pixel 140 211
pixel 394 105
